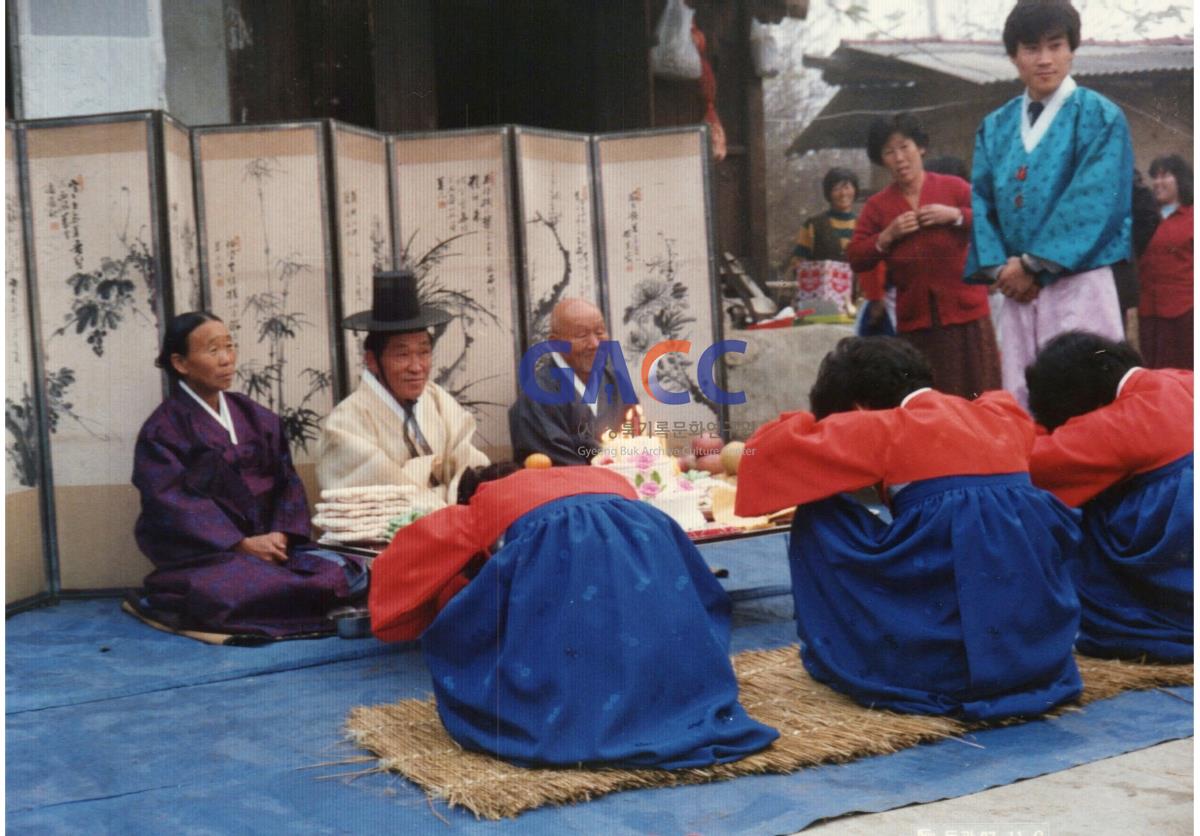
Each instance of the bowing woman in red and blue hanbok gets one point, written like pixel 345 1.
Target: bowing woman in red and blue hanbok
pixel 594 634
pixel 962 604
pixel 224 518
pixel 1120 447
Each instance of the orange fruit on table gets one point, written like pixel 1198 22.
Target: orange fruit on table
pixel 538 461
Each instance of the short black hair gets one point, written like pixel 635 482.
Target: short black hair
pixel 836 176
pixel 870 372
pixel 473 477
pixel 175 337
pixel 947 164
pixel 1032 20
pixel 1178 166
pixel 881 129
pixel 1074 373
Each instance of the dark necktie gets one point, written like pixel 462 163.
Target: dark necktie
pixel 414 439
pixel 1035 110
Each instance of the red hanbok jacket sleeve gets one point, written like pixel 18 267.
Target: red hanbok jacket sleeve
pixel 419 572
pixel 1148 426
pixel 421 569
pixel 797 459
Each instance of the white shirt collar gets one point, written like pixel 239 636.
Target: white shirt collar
pixel 384 395
pixel 223 417
pixel 912 395
pixel 1168 210
pixel 1124 378
pixel 580 386
pixel 1031 135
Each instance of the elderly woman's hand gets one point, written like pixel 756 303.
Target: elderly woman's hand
pixel 270 547
pixel 903 225
pixel 938 214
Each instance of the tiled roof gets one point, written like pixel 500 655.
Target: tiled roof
pixel 985 62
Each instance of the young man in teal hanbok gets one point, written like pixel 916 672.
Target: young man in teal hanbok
pixel 1051 195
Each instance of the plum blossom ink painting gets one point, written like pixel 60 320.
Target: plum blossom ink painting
pixel 658 263
pixel 554 183
pixel 24 569
pixel 93 194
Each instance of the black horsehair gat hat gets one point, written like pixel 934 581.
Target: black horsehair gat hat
pixel 395 306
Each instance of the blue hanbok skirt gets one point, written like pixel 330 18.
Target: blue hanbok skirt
pixel 962 605
pixel 596 634
pixel 1134 573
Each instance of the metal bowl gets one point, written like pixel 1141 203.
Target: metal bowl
pixel 352 622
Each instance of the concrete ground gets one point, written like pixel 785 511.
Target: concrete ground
pixel 1143 792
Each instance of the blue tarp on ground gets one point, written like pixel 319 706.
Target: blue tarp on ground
pixel 117 728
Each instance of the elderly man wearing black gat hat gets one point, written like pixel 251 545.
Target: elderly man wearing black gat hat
pixel 398 427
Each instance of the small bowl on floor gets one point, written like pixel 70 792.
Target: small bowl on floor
pixel 351 622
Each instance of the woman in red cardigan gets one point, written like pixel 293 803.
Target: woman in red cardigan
pixel 920 225
pixel 1165 270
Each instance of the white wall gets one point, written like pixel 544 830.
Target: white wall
pixel 80 57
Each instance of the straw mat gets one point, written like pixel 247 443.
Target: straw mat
pixel 816 724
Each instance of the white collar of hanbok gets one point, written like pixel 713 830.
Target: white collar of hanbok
pixel 223 417
pixel 387 397
pixel 1031 135
pixel 580 386
pixel 426 415
pixel 1125 378
pixel 913 394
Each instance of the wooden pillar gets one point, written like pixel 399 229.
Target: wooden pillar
pixel 403 57
pixel 756 157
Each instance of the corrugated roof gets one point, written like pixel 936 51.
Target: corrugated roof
pixel 985 62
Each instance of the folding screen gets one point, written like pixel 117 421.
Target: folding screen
pixel 95 265
pixel 362 220
pixel 181 217
pixel 454 219
pixel 265 260
pixel 556 212
pixel 657 245
pixel 24 567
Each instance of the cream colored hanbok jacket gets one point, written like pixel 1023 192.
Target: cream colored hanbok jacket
pixel 363 444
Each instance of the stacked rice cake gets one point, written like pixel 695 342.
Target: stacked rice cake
pixel 362 515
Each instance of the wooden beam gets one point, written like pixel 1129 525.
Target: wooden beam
pixel 403 58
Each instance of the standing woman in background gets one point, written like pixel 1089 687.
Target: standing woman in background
pixel 1165 270
pixel 920 226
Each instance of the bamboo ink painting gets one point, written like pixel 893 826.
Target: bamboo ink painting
pixel 362 218
pixel 267 269
pixel 455 220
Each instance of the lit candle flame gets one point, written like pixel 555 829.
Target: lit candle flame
pixel 633 420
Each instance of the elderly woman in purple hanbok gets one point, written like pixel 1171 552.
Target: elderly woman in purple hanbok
pixel 224 517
